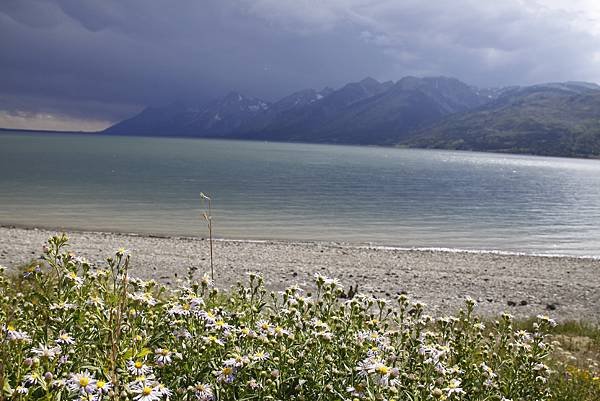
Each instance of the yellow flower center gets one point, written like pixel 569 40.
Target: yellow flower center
pixel 382 370
pixel 227 371
pixel 138 365
pixel 84 381
pixel 100 383
pixel 11 327
pixel 147 390
pixel 165 352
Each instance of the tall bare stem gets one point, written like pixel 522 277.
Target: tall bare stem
pixel 208 218
pixel 116 315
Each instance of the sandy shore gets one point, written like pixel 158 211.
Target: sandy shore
pixel 562 287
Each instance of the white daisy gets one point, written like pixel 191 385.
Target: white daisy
pixel 138 368
pixel 73 277
pixel 221 325
pixel 280 332
pixel 182 333
pixel 146 393
pixel 208 316
pixel 253 384
pixel 454 388
pixel 103 387
pixel 32 378
pixel 63 305
pixel 22 390
pixel 203 392
pixel 333 282
pixel 82 383
pixel 213 340
pixel 162 356
pixel 206 281
pixel 95 301
pixel 226 374
pixel 122 252
pixel 264 326
pixel 65 339
pixel 143 297
pixel 180 310
pixel 164 390
pixel 247 332
pixel 13 334
pixel 44 351
pixel 59 383
pixel 260 356
pixel 196 302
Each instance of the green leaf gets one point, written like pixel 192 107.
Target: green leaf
pixel 7 389
pixel 145 351
pixel 128 354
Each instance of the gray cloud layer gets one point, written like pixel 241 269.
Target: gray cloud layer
pixel 102 60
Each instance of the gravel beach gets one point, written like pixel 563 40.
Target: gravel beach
pixel 564 288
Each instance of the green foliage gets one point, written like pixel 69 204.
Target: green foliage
pixel 540 121
pixel 570 328
pixel 71 330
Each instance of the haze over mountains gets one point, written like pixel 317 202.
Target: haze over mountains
pixel 559 119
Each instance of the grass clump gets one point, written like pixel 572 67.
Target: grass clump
pixel 71 330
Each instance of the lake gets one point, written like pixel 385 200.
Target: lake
pixel 364 195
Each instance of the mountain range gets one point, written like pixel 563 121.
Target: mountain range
pixel 556 119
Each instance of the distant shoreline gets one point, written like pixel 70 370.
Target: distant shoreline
pixel 33 131
pixel 563 287
pixel 218 138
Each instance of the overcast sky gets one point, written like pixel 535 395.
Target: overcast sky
pixel 83 64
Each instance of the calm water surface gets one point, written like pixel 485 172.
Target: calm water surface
pixel 396 197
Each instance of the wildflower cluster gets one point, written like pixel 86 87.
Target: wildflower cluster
pixel 71 330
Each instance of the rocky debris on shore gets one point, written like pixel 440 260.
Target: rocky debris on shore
pixel 566 287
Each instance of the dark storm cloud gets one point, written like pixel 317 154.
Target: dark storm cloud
pixel 104 59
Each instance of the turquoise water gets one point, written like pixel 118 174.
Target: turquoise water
pixel 395 197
